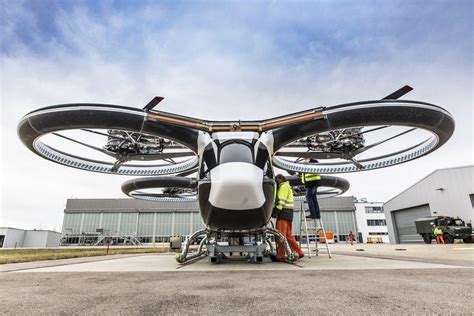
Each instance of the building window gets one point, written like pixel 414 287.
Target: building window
pixel 373 209
pixel 376 222
pixel 378 233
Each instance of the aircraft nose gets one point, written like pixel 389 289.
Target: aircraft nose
pixel 237 186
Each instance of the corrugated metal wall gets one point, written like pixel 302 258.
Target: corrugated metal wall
pixel 152 219
pixel 405 223
pixel 125 205
pixel 146 224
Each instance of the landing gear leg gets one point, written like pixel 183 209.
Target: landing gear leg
pixel 289 255
pixel 183 256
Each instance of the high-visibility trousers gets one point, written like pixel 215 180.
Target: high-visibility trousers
pixel 439 239
pixel 284 227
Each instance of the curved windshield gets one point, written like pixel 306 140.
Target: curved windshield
pixel 455 222
pixel 235 152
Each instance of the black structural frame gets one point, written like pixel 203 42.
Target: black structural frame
pixel 336 185
pixel 284 130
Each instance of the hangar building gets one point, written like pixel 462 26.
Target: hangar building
pixel 147 221
pixel 16 238
pixel 448 192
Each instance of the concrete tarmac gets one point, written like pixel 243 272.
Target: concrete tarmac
pixel 408 291
pixel 419 279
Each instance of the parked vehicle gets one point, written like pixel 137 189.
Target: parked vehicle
pixel 453 228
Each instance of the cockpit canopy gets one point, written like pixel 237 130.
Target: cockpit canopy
pixel 236 149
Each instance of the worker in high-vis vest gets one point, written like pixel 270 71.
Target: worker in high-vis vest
pixel 311 183
pixel 283 211
pixel 438 232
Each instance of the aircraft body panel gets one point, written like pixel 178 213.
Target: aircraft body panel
pixel 217 218
pixel 237 186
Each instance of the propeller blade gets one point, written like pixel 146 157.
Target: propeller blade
pixel 399 93
pixel 351 135
pixel 154 102
pixel 308 154
pixel 155 195
pixel 87 145
pixel 185 197
pixel 187 172
pixel 161 156
pixel 372 130
pixel 174 190
pixel 103 134
pixel 385 140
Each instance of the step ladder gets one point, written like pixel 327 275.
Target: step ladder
pixel 317 227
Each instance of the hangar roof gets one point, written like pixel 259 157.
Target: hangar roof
pixel 125 205
pixel 426 177
pixel 133 205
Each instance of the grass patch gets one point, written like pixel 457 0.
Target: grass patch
pixel 28 255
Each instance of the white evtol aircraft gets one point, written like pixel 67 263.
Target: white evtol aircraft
pixel 234 160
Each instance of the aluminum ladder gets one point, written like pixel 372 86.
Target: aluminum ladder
pixel 316 230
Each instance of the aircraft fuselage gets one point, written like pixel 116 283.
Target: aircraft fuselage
pixel 236 185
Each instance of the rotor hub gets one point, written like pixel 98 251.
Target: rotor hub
pixel 344 141
pixel 125 143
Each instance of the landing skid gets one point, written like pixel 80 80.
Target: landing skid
pixel 217 253
pixel 255 252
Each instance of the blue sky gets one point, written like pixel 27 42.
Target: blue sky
pixel 282 32
pixel 300 40
pixel 224 60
